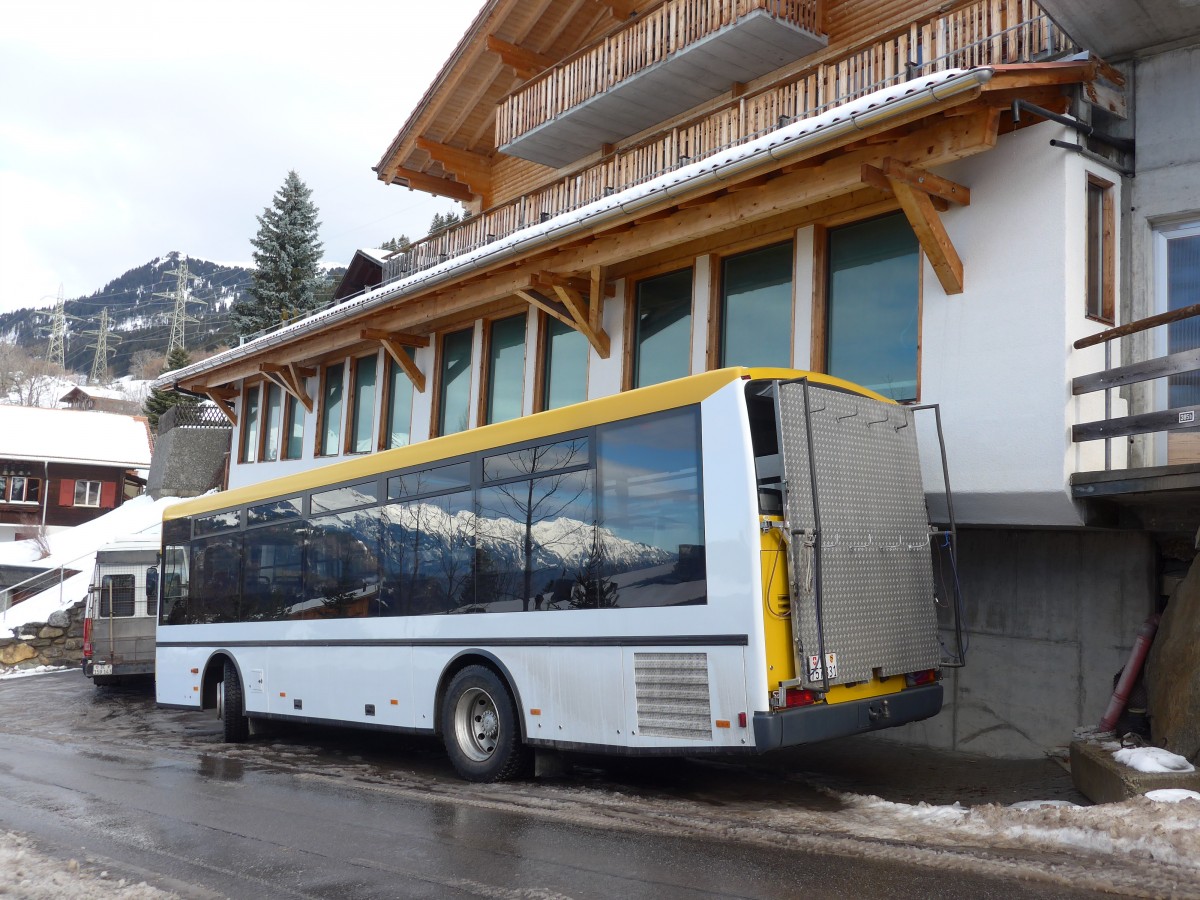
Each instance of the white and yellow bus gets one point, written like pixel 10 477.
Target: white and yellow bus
pixel 732 562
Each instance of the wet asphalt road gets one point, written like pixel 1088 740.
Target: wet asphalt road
pixel 325 813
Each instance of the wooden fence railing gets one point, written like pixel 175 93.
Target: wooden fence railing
pixel 985 32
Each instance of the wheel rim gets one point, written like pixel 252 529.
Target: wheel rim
pixel 477 724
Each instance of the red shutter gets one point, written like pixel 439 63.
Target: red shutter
pixel 66 492
pixel 108 494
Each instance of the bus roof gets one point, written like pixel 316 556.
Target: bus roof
pixel 640 401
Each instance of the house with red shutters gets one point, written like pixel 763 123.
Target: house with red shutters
pixel 63 467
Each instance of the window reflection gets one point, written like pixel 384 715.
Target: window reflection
pixel 663 326
pixel 651 532
pixel 428 564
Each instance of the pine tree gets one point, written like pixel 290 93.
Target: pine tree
pixel 160 400
pixel 286 253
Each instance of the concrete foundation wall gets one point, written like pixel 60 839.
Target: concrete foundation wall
pixel 1051 617
pixel 188 462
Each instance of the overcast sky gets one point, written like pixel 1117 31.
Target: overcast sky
pixel 130 129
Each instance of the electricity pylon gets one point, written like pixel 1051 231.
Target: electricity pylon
pixel 100 360
pixel 56 354
pixel 179 316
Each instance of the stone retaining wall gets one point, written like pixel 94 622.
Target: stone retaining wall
pixel 55 642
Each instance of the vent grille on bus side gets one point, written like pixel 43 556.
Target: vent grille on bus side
pixel 672 695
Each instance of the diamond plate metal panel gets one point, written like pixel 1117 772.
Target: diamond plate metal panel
pixel 872 540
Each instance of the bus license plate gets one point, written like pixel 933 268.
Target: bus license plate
pixel 105 669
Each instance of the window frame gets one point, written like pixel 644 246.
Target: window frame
pixel 293 409
pixel 264 440
pixel 484 414
pixel 351 400
pixel 319 449
pixel 1101 305
pixel 87 483
pixel 26 481
pixel 384 440
pixel 438 401
pixel 819 352
pixel 541 374
pixel 632 283
pixel 717 297
pixel 250 419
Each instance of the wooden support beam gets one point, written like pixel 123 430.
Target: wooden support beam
pixel 399 337
pixel 526 63
pixel 291 379
pixel 934 185
pixel 430 184
pixel 471 169
pixel 581 312
pixel 221 397
pixel 927 224
pixel 395 343
pixel 597 285
pixel 546 305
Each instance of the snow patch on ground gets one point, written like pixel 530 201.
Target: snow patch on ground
pixel 1172 795
pixel 1152 759
pixel 6 672
pixel 31 875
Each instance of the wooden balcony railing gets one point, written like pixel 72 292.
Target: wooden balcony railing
pixel 649 39
pixel 985 32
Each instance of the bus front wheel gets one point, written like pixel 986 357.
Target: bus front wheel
pixel 479 724
pixel 231 706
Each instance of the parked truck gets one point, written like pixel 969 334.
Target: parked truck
pixel 122 608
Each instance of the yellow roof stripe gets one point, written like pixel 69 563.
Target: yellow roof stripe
pixel 626 405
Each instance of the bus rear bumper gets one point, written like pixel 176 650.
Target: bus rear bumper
pixel 809 724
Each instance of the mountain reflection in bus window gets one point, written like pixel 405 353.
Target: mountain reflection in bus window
pixel 273 560
pixel 650 534
pixel 535 544
pixel 342 569
pixel 428 556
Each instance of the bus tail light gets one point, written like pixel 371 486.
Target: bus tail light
pixel 929 676
pixel 87 638
pixel 799 697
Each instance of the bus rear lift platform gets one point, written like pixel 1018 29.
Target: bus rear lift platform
pixel 863 606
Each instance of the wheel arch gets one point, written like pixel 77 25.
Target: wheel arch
pixel 214 674
pixel 476 657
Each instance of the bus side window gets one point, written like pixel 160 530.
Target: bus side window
pixel 152 591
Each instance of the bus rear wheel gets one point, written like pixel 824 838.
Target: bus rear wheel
pixel 480 728
pixel 231 706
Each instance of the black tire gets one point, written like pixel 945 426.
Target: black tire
pixel 480 727
pixel 233 707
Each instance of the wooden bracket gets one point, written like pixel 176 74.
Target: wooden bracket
pixel 395 343
pixel 221 396
pixel 918 192
pixel 431 184
pixel 526 63
pixel 580 299
pixel 291 378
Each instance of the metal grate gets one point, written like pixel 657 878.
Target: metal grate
pixel 672 695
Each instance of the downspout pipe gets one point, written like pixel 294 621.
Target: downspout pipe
pixel 779 145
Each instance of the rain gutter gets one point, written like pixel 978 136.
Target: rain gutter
pixel 714 171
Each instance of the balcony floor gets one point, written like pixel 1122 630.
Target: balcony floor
pixel 1161 499
pixel 754 45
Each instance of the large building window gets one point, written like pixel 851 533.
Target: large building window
pixel 20 489
pixel 250 413
pixel 662 328
pixel 330 430
pixel 293 428
pixel 399 408
pixel 756 307
pixel 564 365
pixel 1101 253
pixel 362 410
pixel 272 421
pixel 454 383
pixel 874 306
pixel 505 369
